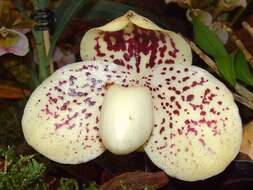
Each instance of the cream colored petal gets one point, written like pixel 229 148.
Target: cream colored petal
pixel 22 47
pixel 130 17
pixel 142 21
pixel 114 25
pixel 197 127
pixel 61 118
pixel 134 41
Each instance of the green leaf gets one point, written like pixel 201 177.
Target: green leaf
pixel 20 7
pixel 40 4
pixel 226 68
pixel 207 40
pixel 211 44
pixel 105 10
pixel 43 3
pixel 64 13
pixel 95 11
pixel 242 68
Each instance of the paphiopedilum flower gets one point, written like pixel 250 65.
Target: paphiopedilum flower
pixel 14 42
pixel 140 89
pixel 207 19
pixel 12 29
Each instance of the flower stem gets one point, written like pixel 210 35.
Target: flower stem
pixel 248 28
pixel 46 37
pixel 40 44
pixel 42 56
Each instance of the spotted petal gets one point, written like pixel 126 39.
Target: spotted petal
pixel 136 43
pixel 61 118
pixel 197 130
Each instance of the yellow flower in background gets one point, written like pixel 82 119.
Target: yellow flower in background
pixel 13 26
pixel 183 3
pixel 13 42
pixel 228 5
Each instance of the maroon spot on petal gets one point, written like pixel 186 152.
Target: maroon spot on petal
pixel 177 92
pixel 185 78
pixel 178 105
pixel 212 110
pixel 162 130
pixel 95 128
pixel 189 97
pixel 97 48
pixel 169 61
pixel 176 112
pixel 202 141
pixel 172 98
pixel 127 57
pixel 202 113
pixel 119 62
pixel 88 115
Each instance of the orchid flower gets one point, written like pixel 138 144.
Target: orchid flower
pixel 207 19
pixel 63 57
pixel 136 87
pixel 228 5
pixel 12 29
pixel 13 42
